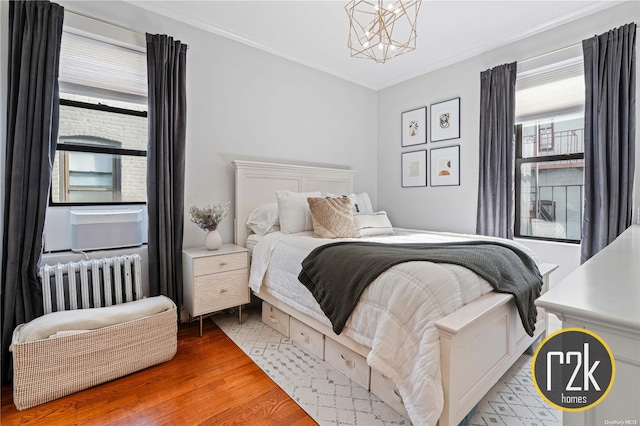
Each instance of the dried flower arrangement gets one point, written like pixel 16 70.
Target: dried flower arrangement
pixel 208 217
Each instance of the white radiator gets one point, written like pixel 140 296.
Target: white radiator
pixel 91 283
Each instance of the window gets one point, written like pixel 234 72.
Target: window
pixel 102 141
pixel 101 155
pixel 546 136
pixel 550 152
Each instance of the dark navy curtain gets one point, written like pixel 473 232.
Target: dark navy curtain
pixel 35 33
pixel 166 67
pixel 609 137
pixel 495 213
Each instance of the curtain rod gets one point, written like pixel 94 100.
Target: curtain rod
pixel 555 51
pixel 106 22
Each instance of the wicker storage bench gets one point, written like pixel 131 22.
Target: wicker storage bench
pixel 50 368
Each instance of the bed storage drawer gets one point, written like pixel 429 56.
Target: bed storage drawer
pixel 384 388
pixel 310 340
pixel 275 318
pixel 349 362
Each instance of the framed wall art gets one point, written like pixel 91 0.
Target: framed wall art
pixel 414 168
pixel 414 127
pixel 445 166
pixel 445 120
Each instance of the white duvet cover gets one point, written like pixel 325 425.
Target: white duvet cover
pixel 396 314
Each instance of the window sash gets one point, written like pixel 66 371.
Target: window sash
pixel 78 145
pixel 519 162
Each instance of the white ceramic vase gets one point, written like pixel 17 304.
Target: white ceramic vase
pixel 213 240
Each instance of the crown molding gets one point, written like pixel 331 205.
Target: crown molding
pixel 161 8
pixel 172 11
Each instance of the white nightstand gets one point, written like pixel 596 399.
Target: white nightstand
pixel 215 280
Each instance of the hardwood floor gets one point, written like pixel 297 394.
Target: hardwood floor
pixel 209 381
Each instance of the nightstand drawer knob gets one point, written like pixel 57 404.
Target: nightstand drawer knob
pixel 223 263
pixel 223 290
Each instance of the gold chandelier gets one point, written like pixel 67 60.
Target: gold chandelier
pixel 381 30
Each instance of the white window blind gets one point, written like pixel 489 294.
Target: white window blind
pixel 550 90
pixel 101 69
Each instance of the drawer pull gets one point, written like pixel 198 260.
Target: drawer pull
pixel 397 395
pixel 273 320
pixel 306 339
pixel 223 263
pixel 223 290
pixel 348 362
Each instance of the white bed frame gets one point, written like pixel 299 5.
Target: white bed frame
pixel 478 343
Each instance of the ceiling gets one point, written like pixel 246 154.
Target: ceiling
pixel 315 33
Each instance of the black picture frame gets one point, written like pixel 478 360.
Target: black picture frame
pixel 414 168
pixel 445 166
pixel 445 120
pixel 414 127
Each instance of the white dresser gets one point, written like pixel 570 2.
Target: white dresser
pixel 603 295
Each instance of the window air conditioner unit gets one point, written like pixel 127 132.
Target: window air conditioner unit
pixel 105 229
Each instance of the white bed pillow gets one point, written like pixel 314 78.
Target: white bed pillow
pixel 264 219
pixel 294 212
pixel 361 202
pixel 371 224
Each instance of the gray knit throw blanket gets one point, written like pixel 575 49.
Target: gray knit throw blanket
pixel 338 273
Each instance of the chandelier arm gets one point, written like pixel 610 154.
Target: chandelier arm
pixel 380 23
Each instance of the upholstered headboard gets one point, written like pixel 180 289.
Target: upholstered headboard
pixel 257 183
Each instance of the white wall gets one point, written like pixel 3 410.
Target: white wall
pixel 244 103
pixel 454 208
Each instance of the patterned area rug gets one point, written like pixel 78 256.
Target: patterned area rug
pixel 331 398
